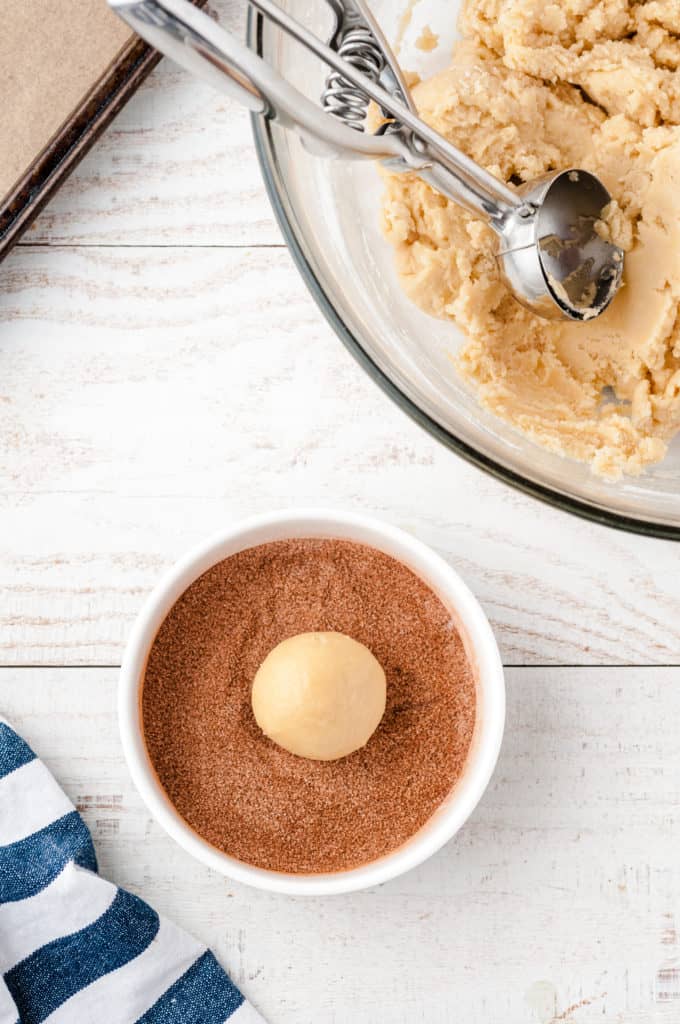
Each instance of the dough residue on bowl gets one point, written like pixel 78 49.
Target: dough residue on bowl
pixel 537 87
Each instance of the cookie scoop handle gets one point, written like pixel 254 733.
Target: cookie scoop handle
pixel 192 39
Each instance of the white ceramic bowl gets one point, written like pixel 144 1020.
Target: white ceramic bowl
pixel 479 643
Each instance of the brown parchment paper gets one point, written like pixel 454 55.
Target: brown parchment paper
pixel 52 54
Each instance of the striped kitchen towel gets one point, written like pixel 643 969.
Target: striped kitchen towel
pixel 75 949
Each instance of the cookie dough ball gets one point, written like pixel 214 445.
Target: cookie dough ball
pixel 319 695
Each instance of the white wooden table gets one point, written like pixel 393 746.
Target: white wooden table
pixel 163 372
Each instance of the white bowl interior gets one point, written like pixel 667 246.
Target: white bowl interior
pixel 332 210
pixel 479 642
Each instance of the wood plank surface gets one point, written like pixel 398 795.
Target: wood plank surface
pixel 150 396
pixel 558 901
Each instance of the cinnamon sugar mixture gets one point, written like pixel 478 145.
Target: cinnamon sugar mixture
pixel 242 792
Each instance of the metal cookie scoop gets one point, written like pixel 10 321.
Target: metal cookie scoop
pixel 549 251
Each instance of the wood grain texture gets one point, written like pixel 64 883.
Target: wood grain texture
pixel 558 901
pixel 177 165
pixel 150 396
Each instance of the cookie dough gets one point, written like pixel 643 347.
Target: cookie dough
pixel 534 87
pixel 319 695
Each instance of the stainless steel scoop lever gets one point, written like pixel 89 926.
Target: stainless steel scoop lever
pixel 192 39
pixel 549 251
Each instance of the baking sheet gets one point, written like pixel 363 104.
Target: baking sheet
pixel 52 54
pixel 66 68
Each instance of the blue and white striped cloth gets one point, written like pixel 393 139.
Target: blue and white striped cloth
pixel 75 949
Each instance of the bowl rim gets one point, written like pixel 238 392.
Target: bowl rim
pixel 264 146
pixel 447 819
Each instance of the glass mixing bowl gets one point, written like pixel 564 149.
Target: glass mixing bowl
pixel 329 214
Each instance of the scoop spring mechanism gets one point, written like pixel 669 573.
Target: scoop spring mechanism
pixel 342 99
